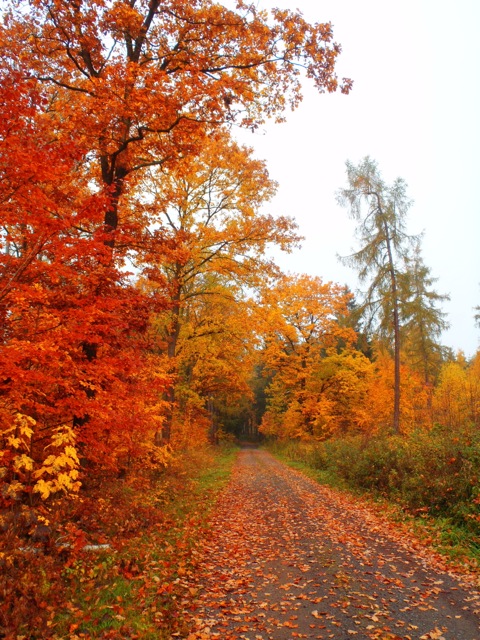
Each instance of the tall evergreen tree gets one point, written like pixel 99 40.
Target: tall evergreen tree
pixel 380 211
pixel 422 319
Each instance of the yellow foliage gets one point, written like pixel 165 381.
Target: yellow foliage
pixel 63 435
pixel 63 438
pixel 14 488
pixel 24 424
pixel 14 442
pixel 23 462
pixel 159 456
pixel 54 463
pixel 457 396
pixel 64 481
pixel 43 488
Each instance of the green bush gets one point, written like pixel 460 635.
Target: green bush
pixel 436 471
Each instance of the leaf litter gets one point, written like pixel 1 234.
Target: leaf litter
pixel 288 558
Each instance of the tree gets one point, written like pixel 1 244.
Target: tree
pixel 380 211
pixel 51 304
pixel 303 336
pixel 115 89
pixel 451 400
pixel 422 320
pixel 142 83
pixel 214 361
pixel 207 209
pixel 457 395
pixel 415 412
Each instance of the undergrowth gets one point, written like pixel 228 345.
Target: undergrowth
pixel 120 559
pixel 429 479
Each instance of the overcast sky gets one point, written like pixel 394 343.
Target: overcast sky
pixel 415 109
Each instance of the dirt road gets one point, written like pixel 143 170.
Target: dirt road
pixel 288 558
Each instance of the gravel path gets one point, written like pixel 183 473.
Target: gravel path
pixel 288 558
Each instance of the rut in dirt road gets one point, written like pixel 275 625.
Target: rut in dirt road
pixel 288 558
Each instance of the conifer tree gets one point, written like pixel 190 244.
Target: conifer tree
pixel 380 211
pixel 422 319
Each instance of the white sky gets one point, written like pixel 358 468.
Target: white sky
pixel 415 109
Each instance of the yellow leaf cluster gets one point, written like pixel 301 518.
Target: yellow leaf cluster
pixel 22 426
pixel 23 462
pixel 63 435
pixel 62 466
pixel 54 463
pixel 65 481
pixel 25 424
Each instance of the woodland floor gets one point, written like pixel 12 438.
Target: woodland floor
pixel 288 558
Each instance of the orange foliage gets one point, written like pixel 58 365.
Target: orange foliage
pixel 208 210
pixel 317 379
pixel 92 96
pixel 59 291
pixel 414 396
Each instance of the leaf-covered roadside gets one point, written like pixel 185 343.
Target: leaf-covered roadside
pixel 429 479
pixel 68 585
pixel 289 558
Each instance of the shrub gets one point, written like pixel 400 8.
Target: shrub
pixel 436 471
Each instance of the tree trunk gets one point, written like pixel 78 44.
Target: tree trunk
pixel 396 333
